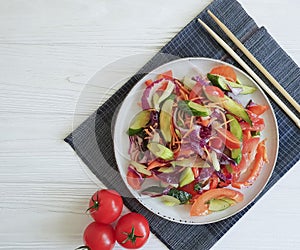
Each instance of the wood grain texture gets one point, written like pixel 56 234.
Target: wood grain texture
pixel 48 52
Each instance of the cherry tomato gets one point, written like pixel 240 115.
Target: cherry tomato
pixel 132 230
pixel 105 206
pixel 98 236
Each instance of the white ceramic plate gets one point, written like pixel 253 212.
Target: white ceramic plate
pixel 129 109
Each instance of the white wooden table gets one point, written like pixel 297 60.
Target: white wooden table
pixel 48 52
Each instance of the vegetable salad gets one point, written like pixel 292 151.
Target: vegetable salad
pixel 193 142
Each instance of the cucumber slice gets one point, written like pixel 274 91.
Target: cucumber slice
pixel 218 81
pixel 165 119
pixel 215 161
pixel 139 122
pixel 189 82
pixel 198 110
pixel 236 154
pixel 236 109
pixel 217 205
pixel 186 177
pixel 160 151
pixel 170 200
pixel 222 83
pixel 230 201
pixel 235 127
pixel 166 169
pixel 193 108
pixel 140 168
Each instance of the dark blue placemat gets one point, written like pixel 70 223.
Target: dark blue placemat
pixel 92 140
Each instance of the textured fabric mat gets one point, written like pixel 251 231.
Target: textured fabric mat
pixel 92 140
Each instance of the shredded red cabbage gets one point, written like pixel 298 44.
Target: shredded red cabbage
pixel 171 178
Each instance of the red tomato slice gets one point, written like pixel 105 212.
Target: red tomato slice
pixel 260 159
pixel 250 145
pixel 258 124
pixel 258 109
pixel 213 91
pixel 168 75
pixel 200 206
pixel 228 138
pixel 190 188
pixel 133 180
pixel 148 82
pixel 216 142
pixel 225 71
pixel 196 92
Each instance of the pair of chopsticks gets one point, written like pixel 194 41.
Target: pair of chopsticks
pixel 250 71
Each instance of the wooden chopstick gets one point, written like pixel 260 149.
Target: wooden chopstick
pixel 255 61
pixel 251 73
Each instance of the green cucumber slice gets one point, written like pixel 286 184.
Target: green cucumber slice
pixel 222 83
pixel 218 205
pixel 186 177
pixel 170 200
pixel 199 110
pixel 139 122
pixel 236 109
pixel 165 119
pixel 160 151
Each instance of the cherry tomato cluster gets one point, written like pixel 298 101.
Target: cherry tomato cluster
pixel 105 207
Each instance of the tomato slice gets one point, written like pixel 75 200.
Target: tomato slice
pixel 216 142
pixel 200 206
pixel 196 91
pixel 228 138
pixel 260 159
pixel 190 188
pixel 168 75
pixel 213 181
pixel 250 145
pixel 148 82
pixel 258 123
pixel 226 71
pixel 258 109
pixel 133 180
pixel 213 91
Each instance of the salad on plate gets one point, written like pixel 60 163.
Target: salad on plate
pixel 194 143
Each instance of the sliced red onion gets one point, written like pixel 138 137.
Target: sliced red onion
pixel 235 91
pixel 148 92
pixel 200 80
